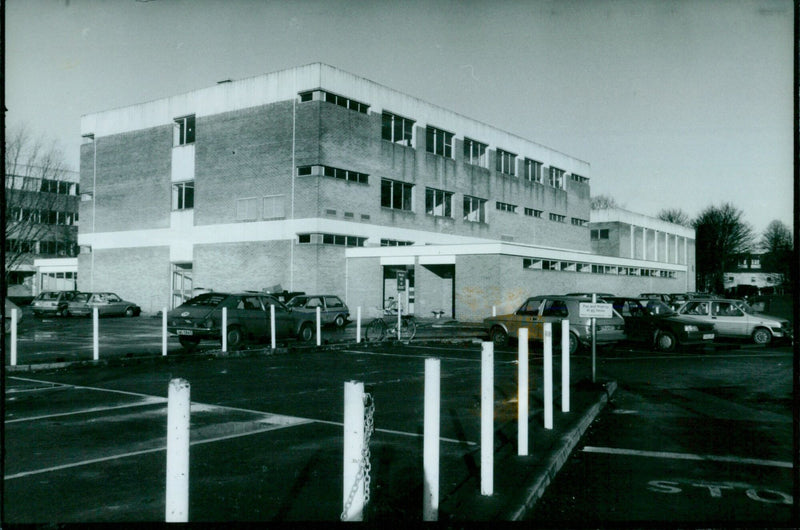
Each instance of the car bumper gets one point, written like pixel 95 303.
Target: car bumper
pixel 697 337
pixel 45 310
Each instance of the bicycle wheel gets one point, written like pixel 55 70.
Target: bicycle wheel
pixel 408 328
pixel 375 330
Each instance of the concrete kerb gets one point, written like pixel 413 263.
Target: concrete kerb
pixel 554 463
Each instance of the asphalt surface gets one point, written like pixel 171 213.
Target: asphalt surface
pixel 85 442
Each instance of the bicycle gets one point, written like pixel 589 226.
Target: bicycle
pixel 380 329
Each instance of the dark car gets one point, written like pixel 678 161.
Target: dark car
pixel 780 305
pixel 655 324
pixel 248 319
pixel 332 309
pixel 52 303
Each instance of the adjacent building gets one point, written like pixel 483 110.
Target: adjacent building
pixel 41 228
pixel 317 180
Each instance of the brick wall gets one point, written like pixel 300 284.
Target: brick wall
pixel 250 266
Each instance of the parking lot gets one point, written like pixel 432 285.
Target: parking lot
pixel 266 429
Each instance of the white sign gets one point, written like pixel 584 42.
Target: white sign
pixel 590 310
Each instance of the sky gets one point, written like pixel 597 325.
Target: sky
pixel 674 103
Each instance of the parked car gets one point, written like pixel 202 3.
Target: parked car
pixel 537 310
pixel 781 305
pixel 599 295
pixel 10 306
pixel 332 309
pixel 248 319
pixel 52 303
pixel 654 323
pixel 107 304
pixel 736 319
pixel 664 297
pixel 678 299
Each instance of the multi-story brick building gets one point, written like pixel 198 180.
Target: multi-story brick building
pixel 317 180
pixel 41 210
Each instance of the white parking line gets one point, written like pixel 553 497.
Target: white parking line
pixel 687 456
pixel 409 356
pixel 149 401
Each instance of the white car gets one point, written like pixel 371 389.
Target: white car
pixel 736 319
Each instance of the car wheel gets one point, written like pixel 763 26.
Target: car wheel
pixel 499 336
pixel 665 341
pixel 235 338
pixel 762 336
pixel 189 343
pixel 574 343
pixel 306 332
pixel 129 312
pixel 339 321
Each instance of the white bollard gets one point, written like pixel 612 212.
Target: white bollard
pixel 14 320
pixel 164 331
pixel 178 410
pixel 224 329
pixel 565 366
pixel 353 507
pixel 548 375
pixel 358 325
pixel 430 456
pixel 494 310
pixel 399 317
pixel 319 325
pixel 95 334
pixel 487 418
pixel 272 326
pixel 522 399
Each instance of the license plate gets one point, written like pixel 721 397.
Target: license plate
pixel 708 336
pixel 184 332
pixel 607 328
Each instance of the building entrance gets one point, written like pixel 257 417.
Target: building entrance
pixel 181 283
pixel 406 299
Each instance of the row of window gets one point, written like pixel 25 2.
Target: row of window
pixel 400 129
pixel 574 266
pixel 50 217
pixel 317 238
pixel 57 248
pixel 333 172
pixel 59 187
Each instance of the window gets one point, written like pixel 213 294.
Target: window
pixel 558 218
pixel 600 234
pixel 578 222
pixel 273 207
pixel 439 142
pixel 438 202
pixel 505 162
pixel 556 177
pixel 475 153
pixel 247 209
pixel 183 195
pixel 396 128
pixel 555 308
pixel 395 243
pixel 578 178
pixel 533 170
pixel 184 130
pixel 322 95
pixel 505 207
pixel 396 194
pixel 530 212
pixel 331 239
pixel 333 172
pixel 474 209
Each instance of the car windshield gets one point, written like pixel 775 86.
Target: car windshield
pixel 48 296
pixel 657 307
pixel 206 300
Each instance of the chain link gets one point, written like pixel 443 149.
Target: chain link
pixel 366 466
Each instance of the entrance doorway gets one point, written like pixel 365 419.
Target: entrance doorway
pixel 390 294
pixel 181 283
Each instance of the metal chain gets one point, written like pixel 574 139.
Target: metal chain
pixel 366 466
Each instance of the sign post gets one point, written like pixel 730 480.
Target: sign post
pixel 595 311
pixel 401 286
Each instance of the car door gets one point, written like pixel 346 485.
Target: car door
pixel 637 324
pixel 312 304
pixel 284 323
pixel 250 314
pixel 554 310
pixel 527 316
pixel 729 320
pixel 113 305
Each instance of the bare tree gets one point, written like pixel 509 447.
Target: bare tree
pixel 777 245
pixel 675 216
pixel 721 235
pixel 32 165
pixel 603 202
